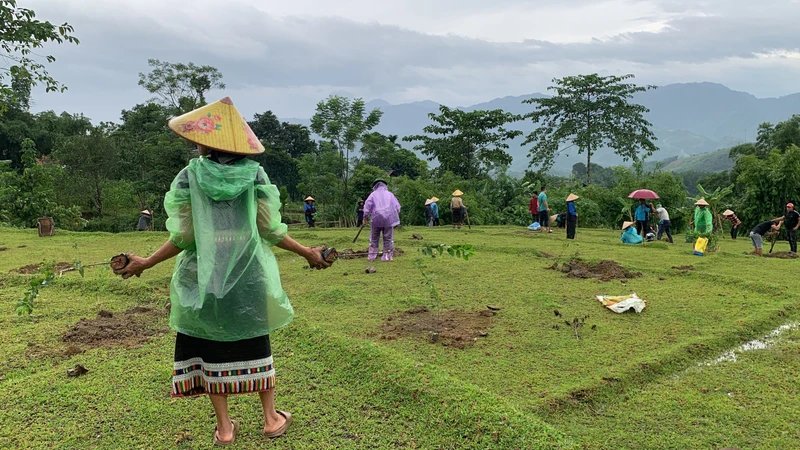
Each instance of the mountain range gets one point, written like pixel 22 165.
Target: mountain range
pixel 688 119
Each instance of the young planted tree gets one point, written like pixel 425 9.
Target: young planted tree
pixel 469 144
pixel 182 87
pixel 20 35
pixel 344 122
pixel 589 112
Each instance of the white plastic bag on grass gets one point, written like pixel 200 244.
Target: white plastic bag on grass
pixel 621 303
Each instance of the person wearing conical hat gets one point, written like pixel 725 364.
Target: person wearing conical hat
pixel 458 209
pixel 428 212
pixel 383 211
pixel 572 216
pixel 734 220
pixel 226 294
pixel 702 217
pixel 435 209
pixel 629 234
pixel 310 211
pixel 145 217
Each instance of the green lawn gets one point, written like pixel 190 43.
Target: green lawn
pixel 631 382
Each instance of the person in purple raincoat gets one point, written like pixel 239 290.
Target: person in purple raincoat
pixel 383 211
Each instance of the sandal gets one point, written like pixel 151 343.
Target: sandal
pixel 280 431
pixel 222 443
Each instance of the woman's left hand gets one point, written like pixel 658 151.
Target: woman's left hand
pixel 136 265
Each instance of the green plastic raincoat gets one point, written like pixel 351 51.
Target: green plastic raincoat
pixel 226 285
pixel 702 220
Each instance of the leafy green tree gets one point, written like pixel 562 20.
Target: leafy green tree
pixel 469 144
pixel 589 112
pixel 285 143
pixel 20 35
pixel 385 152
pixel 183 87
pixel 319 172
pixel 603 176
pixel 93 157
pixel 344 122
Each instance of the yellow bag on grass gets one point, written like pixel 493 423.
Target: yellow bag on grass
pixel 700 246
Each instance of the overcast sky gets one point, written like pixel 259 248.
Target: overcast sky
pixel 287 55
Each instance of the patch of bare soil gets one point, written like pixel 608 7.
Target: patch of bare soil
pixel 2 249
pixel 355 254
pixel 604 270
pixel 130 329
pixel 781 255
pixel 31 269
pixel 459 329
pixel 684 268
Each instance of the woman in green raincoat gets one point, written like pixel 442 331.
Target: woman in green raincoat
pixel 702 217
pixel 226 295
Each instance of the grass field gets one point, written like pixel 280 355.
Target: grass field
pixel 633 381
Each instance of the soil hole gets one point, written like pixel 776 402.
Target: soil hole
pixel 604 270
pixel 459 329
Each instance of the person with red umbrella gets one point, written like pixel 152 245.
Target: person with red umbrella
pixel 643 210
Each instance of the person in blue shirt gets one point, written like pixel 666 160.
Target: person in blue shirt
pixel 572 216
pixel 544 210
pixel 310 210
pixel 435 208
pixel 642 216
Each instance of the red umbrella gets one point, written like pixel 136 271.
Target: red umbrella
pixel 646 194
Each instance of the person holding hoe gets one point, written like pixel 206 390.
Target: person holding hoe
pixel 792 221
pixel 664 224
pixel 757 234
pixel 383 212
pixel 458 209
pixel 572 216
pixel 226 294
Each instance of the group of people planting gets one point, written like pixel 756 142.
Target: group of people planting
pixel 226 294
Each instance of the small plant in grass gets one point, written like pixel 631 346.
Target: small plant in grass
pixel 576 324
pixel 457 251
pixel 46 275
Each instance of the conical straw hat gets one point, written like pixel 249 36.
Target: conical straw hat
pixel 428 202
pixel 572 197
pixel 727 212
pixel 553 217
pixel 434 199
pixel 144 211
pixel 309 198
pixel 457 193
pixel 701 202
pixel 626 224
pixel 218 126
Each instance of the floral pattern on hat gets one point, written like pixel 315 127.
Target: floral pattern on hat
pixel 206 124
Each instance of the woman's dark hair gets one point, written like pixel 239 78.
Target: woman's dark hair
pixel 224 158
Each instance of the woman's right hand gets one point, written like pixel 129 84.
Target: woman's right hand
pixel 314 257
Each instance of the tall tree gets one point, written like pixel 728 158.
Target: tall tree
pixel 344 122
pixel 180 86
pixel 469 144
pixel 285 143
pixel 388 154
pixel 590 112
pixel 20 34
pixel 93 157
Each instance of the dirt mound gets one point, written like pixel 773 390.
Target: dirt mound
pixel 349 253
pixel 31 269
pixel 457 329
pixel 130 328
pixel 684 268
pixel 781 255
pixel 2 249
pixel 604 270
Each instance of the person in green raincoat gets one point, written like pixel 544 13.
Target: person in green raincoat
pixel 226 294
pixel 702 217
